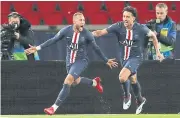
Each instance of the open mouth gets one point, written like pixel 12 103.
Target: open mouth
pixel 125 22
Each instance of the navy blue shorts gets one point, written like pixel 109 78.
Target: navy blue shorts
pixel 132 64
pixel 77 68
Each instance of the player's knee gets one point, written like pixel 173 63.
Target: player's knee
pixel 122 78
pixel 133 79
pixel 69 80
pixel 76 82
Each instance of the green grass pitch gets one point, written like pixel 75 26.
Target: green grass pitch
pixel 96 116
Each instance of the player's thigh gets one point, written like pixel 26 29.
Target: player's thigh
pixel 133 64
pixel 124 74
pixel 77 68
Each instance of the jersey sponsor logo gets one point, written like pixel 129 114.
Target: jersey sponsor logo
pixel 73 46
pixel 127 43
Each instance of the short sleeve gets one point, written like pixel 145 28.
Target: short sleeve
pixel 145 29
pixel 113 28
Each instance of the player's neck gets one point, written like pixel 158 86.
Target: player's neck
pixel 77 30
pixel 130 27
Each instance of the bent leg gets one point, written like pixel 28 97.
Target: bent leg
pixel 136 88
pixel 123 77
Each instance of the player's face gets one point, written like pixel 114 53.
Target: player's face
pixel 14 20
pixel 79 22
pixel 128 19
pixel 161 13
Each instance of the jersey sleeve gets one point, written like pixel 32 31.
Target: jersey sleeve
pixel 113 28
pixel 56 38
pixel 96 48
pixel 145 29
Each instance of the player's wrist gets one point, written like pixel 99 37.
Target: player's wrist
pixel 38 48
pixel 106 60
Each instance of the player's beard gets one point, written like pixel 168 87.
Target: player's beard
pixel 79 28
pixel 128 24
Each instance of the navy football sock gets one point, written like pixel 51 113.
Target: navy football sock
pixel 137 91
pixel 85 80
pixel 63 94
pixel 126 87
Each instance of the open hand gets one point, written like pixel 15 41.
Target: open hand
pixel 31 50
pixel 112 63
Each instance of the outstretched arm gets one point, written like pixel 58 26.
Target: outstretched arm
pixel 98 51
pixel 110 62
pixel 53 40
pixel 98 33
pixel 111 29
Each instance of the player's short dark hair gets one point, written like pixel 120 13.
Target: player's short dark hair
pixel 131 9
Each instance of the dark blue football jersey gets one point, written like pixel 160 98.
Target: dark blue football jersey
pixel 131 42
pixel 76 43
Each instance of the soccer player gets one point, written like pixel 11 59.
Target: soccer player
pixel 131 37
pixel 77 39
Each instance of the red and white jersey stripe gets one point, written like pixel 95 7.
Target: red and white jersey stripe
pixel 75 40
pixel 129 36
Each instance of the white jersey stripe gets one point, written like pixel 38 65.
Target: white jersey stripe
pixel 75 53
pixel 75 41
pixel 129 36
pixel 73 38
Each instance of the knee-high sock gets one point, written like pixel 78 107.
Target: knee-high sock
pixel 137 91
pixel 85 80
pixel 126 87
pixel 63 94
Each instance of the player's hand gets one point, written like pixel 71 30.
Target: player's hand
pixel 112 63
pixel 31 50
pixel 96 33
pixel 155 33
pixel 159 56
